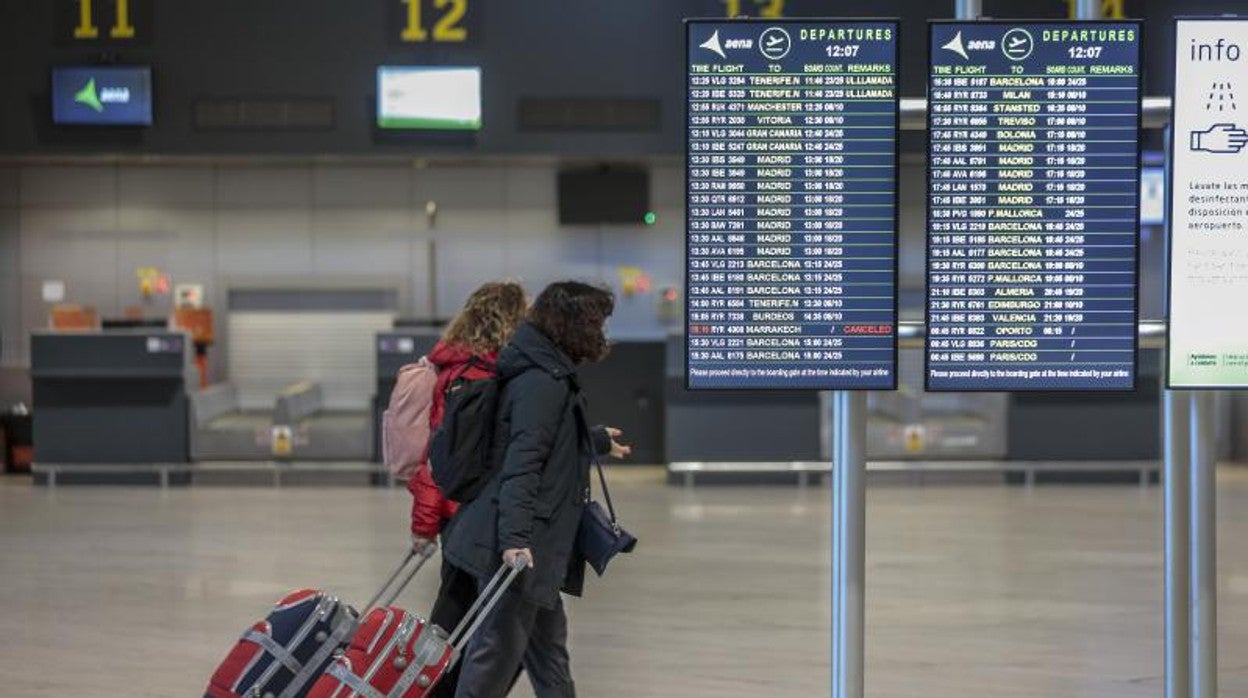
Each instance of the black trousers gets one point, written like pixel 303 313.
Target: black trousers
pixel 518 632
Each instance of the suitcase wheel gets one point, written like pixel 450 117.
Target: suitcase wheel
pixel 423 681
pixel 400 662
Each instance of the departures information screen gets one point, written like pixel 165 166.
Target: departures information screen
pixel 1033 205
pixel 792 204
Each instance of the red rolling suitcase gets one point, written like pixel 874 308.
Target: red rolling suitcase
pixel 282 655
pixel 396 654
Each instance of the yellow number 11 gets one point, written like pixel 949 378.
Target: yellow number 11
pixel 86 29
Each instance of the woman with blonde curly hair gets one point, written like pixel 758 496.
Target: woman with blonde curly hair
pixel 467 351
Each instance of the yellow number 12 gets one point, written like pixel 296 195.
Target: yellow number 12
pixel 446 29
pixel 86 28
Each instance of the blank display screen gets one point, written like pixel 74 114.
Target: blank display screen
pixel 610 195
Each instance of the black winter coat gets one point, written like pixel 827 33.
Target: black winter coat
pixel 542 459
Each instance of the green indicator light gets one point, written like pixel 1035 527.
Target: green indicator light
pixel 650 218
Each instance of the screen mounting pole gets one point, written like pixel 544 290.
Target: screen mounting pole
pixel 849 522
pixel 968 9
pixel 1203 580
pixel 1176 445
pixel 1088 9
pixel 1176 471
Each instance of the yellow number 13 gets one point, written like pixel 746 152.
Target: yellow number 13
pixel 86 28
pixel 1110 9
pixel 767 8
pixel 448 28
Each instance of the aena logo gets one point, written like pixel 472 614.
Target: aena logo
pixel 713 44
pixel 97 98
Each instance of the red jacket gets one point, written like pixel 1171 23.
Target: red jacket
pixel 430 510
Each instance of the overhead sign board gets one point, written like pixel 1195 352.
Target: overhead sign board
pixel 1208 289
pixel 1033 205
pixel 792 204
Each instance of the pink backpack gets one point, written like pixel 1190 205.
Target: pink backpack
pixel 405 423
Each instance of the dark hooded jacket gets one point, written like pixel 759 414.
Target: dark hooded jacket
pixel 541 456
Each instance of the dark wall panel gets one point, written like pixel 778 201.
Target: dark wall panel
pixel 564 49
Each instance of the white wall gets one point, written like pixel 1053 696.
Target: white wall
pixel 220 225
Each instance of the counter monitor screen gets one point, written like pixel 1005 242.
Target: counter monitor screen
pixel 1033 205
pixel 792 204
pixel 435 98
pixel 102 95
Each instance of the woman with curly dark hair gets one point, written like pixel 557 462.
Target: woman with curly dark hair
pixel 531 507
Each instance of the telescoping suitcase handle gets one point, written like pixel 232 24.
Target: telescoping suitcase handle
pixel 432 645
pixel 422 556
pixel 486 601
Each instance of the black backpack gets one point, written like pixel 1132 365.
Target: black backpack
pixel 459 450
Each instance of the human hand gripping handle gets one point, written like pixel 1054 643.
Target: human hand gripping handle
pixel 518 557
pixel 1219 138
pixel 424 546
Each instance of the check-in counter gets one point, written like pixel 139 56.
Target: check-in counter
pixel 394 350
pixel 109 399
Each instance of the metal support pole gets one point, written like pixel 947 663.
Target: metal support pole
pixel 1087 9
pixel 1204 559
pixel 968 9
pixel 1176 448
pixel 849 540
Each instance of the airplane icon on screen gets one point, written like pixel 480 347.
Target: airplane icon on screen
pixel 775 43
pixel 1017 44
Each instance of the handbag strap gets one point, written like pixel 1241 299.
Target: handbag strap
pixel 583 427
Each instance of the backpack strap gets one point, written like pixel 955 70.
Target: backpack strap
pixel 473 361
pixel 479 362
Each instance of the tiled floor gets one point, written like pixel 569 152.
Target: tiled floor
pixel 972 590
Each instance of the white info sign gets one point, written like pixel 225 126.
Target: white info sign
pixel 1208 342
